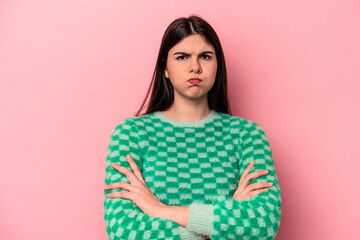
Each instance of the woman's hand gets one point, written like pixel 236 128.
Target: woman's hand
pixel 243 191
pixel 137 191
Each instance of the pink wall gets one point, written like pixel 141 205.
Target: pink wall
pixel 71 70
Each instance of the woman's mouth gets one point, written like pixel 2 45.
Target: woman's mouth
pixel 194 81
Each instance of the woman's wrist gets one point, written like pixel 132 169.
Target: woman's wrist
pixel 178 214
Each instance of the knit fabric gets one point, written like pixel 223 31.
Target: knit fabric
pixel 196 164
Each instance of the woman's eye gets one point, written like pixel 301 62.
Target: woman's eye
pixel 181 57
pixel 206 57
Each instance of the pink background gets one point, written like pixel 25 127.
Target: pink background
pixel 71 71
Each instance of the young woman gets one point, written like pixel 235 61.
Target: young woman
pixel 187 168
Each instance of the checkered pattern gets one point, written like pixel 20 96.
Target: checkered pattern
pixel 197 166
pixel 258 217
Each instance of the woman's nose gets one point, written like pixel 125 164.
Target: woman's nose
pixel 195 66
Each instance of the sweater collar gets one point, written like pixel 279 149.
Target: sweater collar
pixel 213 114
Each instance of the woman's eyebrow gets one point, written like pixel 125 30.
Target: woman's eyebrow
pixel 187 54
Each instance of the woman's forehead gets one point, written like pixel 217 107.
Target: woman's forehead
pixel 194 42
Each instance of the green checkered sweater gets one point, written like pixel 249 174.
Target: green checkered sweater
pixel 196 164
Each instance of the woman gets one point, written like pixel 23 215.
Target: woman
pixel 187 169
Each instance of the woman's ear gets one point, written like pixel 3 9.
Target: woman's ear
pixel 166 73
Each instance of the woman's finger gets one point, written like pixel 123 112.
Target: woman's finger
pixel 246 171
pixel 259 185
pixel 252 176
pixel 127 172
pixel 243 175
pixel 252 187
pixel 121 194
pixel 248 195
pixel 117 185
pixel 256 192
pixel 135 168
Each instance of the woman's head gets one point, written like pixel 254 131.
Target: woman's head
pixel 162 95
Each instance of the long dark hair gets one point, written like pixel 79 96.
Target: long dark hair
pixel 162 94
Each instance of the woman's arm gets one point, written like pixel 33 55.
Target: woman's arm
pixel 178 214
pixel 254 218
pixel 123 219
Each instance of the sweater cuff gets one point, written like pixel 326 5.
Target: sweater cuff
pixel 185 234
pixel 201 219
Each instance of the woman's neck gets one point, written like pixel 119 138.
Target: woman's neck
pixel 187 113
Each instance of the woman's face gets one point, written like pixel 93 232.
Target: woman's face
pixel 192 57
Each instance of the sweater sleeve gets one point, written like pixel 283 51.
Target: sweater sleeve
pixel 254 218
pixel 123 219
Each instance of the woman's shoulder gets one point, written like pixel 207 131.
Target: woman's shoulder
pixel 132 121
pixel 242 123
